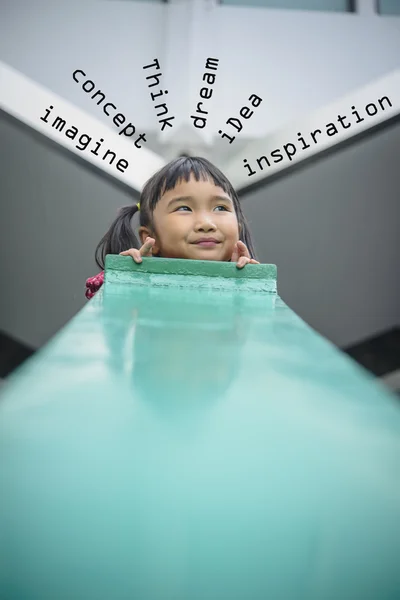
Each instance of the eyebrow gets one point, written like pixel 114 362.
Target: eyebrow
pixel 186 198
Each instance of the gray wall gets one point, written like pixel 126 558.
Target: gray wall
pixel 53 212
pixel 333 229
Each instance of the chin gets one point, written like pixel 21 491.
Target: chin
pixel 207 254
pixel 207 258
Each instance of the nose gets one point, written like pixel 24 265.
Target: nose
pixel 205 223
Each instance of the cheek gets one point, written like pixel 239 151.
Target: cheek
pixel 173 231
pixel 178 227
pixel 232 227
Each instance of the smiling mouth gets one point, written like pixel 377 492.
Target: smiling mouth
pixel 207 243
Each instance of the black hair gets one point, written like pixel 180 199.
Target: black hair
pixel 120 235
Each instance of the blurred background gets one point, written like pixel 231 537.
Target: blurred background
pixel 331 225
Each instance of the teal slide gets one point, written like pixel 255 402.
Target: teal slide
pixel 186 436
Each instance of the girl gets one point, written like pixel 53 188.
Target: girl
pixel 188 209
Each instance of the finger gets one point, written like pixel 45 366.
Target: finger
pixel 147 248
pixel 134 253
pixel 243 260
pixel 243 251
pixel 130 252
pixel 235 253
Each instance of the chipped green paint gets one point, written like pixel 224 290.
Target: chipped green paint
pixel 186 438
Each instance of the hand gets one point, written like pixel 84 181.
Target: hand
pixel 145 250
pixel 241 255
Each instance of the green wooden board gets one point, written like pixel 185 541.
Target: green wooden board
pixel 186 436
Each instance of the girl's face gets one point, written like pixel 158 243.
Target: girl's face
pixel 190 212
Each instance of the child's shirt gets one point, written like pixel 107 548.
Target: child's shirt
pixel 93 284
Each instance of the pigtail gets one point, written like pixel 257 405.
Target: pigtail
pixel 119 237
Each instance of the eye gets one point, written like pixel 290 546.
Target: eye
pixel 188 207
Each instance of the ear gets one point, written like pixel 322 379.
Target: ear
pixel 145 232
